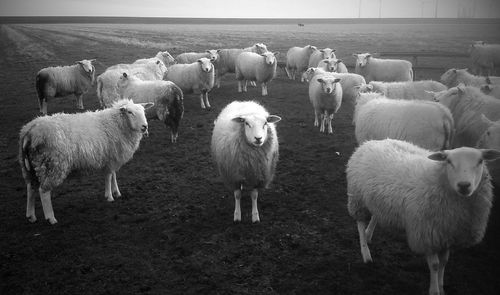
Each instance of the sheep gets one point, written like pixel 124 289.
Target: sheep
pixel 330 64
pixel 190 57
pixel 320 54
pixel 197 77
pixel 254 67
pixel 245 150
pixel 484 57
pixel 166 96
pixel 408 90
pixel 453 77
pixel 427 124
pixel 50 147
pixel 491 90
pixel 153 69
pixel 297 60
pixel 325 94
pixel 227 59
pixel 64 80
pixel 376 69
pixel 163 56
pixel 441 199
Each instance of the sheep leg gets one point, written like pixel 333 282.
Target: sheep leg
pixel 107 187
pixel 264 88
pixel 115 189
pixel 330 119
pixel 201 101
pixel 255 212
pixel 443 259
pixel 30 203
pixel 43 110
pixel 316 122
pixel 79 101
pixel 48 212
pixel 433 263
pixel 237 205
pixel 239 87
pixel 365 251
pixel 245 86
pixel 207 104
pixel 253 84
pixel 370 229
pixel 323 122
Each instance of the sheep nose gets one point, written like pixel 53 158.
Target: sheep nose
pixel 258 139
pixel 463 187
pixel 328 90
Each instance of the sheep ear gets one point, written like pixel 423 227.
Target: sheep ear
pixel 125 75
pixel 200 61
pixel 147 105
pixel 439 156
pixel 454 70
pixel 336 80
pixel 123 110
pixel 368 55
pixel 321 50
pixel 486 120
pixel 273 119
pixel 355 55
pixel 320 80
pixel 338 61
pixel 334 50
pixel 238 120
pixel 276 53
pixel 326 61
pixel 490 155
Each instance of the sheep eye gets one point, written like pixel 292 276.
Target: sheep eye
pixel 480 162
pixel 246 123
pixel 130 112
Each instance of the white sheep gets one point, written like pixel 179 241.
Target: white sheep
pixel 427 124
pixel 163 56
pixel 484 57
pixel 377 69
pixel 153 69
pixel 453 77
pixel 197 77
pixel 491 90
pixel 191 57
pixel 166 96
pixel 64 80
pixel 320 54
pixel 329 65
pixel 408 90
pixel 245 150
pixel 325 94
pixel 297 60
pixel 255 67
pixel 441 200
pixel 50 147
pixel 227 59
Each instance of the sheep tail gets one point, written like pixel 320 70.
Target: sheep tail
pixel 26 165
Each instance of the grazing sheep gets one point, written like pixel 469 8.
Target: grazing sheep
pixel 153 69
pixel 491 90
pixel 191 57
pixel 377 69
pixel 424 123
pixel 245 150
pixel 408 90
pixel 167 98
pixel 197 77
pixel 320 54
pixel 297 60
pixel 325 94
pixel 484 57
pixel 255 67
pixel 227 59
pixel 453 77
pixel 442 200
pixel 163 56
pixel 64 80
pixel 50 147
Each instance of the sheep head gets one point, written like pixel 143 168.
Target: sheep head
pixel 328 53
pixel 212 55
pixel 362 58
pixel 205 64
pixel 256 127
pixel 270 57
pixel 88 67
pixel 328 83
pixel 490 139
pixel 134 115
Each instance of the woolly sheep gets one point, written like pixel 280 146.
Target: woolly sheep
pixel 197 77
pixel 106 82
pixel 484 57
pixel 50 147
pixel 245 150
pixel 190 57
pixel 254 67
pixel 166 96
pixel 320 54
pixel 297 60
pixel 325 94
pixel 163 56
pixel 376 69
pixel 64 80
pixel 330 64
pixel 227 59
pixel 408 89
pixel 440 199
pixel 427 124
pixel 453 77
pixel 491 90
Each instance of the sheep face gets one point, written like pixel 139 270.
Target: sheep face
pixel 328 84
pixel 270 58
pixel 212 55
pixel 464 167
pixel 490 139
pixel 122 81
pixel 328 53
pixel 135 116
pixel 449 76
pixel 205 64
pixel 362 59
pixel 167 57
pixel 446 97
pixel 88 68
pixel 330 63
pixel 256 127
pixel 260 48
pixel 486 88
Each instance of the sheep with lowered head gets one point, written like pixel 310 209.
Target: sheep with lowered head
pixel 441 199
pixel 197 77
pixel 377 69
pixel 320 54
pixel 325 94
pixel 297 60
pixel 163 56
pixel 190 57
pixel 50 147
pixel 64 80
pixel 166 96
pixel 245 150
pixel 454 77
pixel 255 67
pixel 408 89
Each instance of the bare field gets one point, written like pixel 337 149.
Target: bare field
pixel 172 231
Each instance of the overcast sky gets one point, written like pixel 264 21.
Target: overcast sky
pixel 250 8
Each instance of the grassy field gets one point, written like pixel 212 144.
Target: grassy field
pixel 172 231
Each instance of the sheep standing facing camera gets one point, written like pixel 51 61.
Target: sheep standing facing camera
pixel 245 150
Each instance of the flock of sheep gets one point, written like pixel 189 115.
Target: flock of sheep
pixel 423 145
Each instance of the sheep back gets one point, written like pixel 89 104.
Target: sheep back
pixel 252 66
pixel 63 80
pixel 389 70
pixel 191 78
pixel 408 89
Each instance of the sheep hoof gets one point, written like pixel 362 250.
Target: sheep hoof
pixel 31 219
pixel 52 220
pixel 255 219
pixel 110 199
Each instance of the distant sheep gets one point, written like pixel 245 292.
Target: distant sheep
pixel 197 77
pixel 442 200
pixel 424 123
pixel 320 54
pixel 491 90
pixel 377 69
pixel 245 150
pixel 297 60
pixel 64 80
pixel 485 57
pixel 166 96
pixel 325 94
pixel 50 147
pixel 453 77
pixel 163 56
pixel 255 67
pixel 191 57
pixel 408 90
